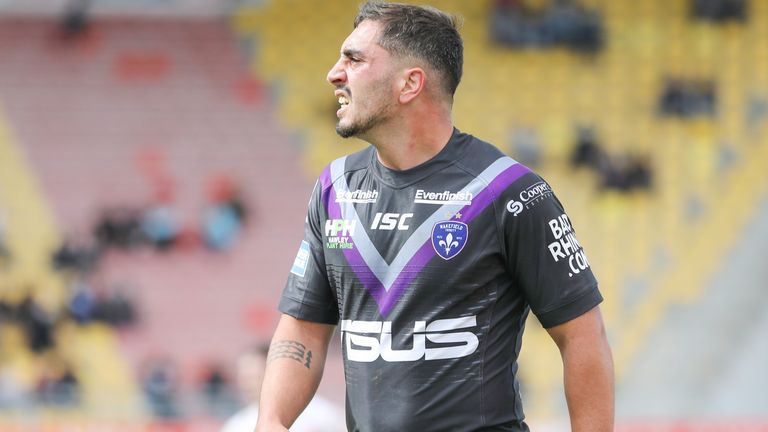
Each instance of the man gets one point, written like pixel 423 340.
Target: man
pixel 320 415
pixel 428 248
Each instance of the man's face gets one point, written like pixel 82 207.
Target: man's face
pixel 364 81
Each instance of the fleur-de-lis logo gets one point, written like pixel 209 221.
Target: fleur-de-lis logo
pixel 448 243
pixel 449 238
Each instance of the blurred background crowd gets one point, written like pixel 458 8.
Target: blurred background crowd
pixel 156 158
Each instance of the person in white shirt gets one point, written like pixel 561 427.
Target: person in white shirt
pixel 319 416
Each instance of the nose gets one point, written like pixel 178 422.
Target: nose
pixel 336 75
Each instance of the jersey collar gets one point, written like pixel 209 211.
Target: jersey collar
pixel 451 153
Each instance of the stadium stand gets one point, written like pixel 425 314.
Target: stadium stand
pixel 94 117
pixel 31 238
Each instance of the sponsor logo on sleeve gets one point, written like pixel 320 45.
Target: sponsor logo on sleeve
pixel 566 247
pixel 449 238
pixel 339 232
pixel 302 259
pixel 529 197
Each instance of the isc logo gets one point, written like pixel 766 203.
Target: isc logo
pixel 378 343
pixel 390 221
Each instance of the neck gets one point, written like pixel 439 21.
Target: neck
pixel 413 140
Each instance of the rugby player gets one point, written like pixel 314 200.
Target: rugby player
pixel 428 249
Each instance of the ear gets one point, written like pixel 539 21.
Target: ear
pixel 413 82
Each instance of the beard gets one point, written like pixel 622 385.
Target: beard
pixel 359 127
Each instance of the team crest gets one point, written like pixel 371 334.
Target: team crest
pixel 449 238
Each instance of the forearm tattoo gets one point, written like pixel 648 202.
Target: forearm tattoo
pixel 290 349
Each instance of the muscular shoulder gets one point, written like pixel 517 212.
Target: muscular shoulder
pixel 503 175
pixel 477 155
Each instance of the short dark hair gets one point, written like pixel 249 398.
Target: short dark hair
pixel 422 32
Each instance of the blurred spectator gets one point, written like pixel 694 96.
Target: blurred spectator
pixel 587 152
pixel 111 305
pixel 82 302
pixel 116 306
pixel 75 21
pixel 319 416
pixel 218 394
pixel 78 253
pixel 688 98
pixel 37 323
pixel 160 225
pixel 570 24
pixel 622 172
pixel 221 227
pixel 719 10
pixel 564 23
pixel 640 173
pixel 626 173
pixel 159 222
pixel 118 227
pixel 6 312
pixel 57 385
pixel 225 217
pixel 222 189
pixel 513 24
pixel 160 383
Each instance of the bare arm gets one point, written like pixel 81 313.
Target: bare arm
pixel 294 368
pixel 588 370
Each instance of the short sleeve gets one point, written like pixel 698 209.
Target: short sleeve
pixel 307 294
pixel 543 253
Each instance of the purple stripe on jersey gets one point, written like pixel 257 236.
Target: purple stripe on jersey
pixel 487 195
pixel 354 259
pixel 325 183
pixel 425 253
pixel 386 299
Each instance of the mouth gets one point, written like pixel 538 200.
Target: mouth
pixel 343 103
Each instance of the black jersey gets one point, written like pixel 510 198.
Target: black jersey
pixel 430 273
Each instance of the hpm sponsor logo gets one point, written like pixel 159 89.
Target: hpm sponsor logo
pixel 338 233
pixel 367 341
pixel 565 246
